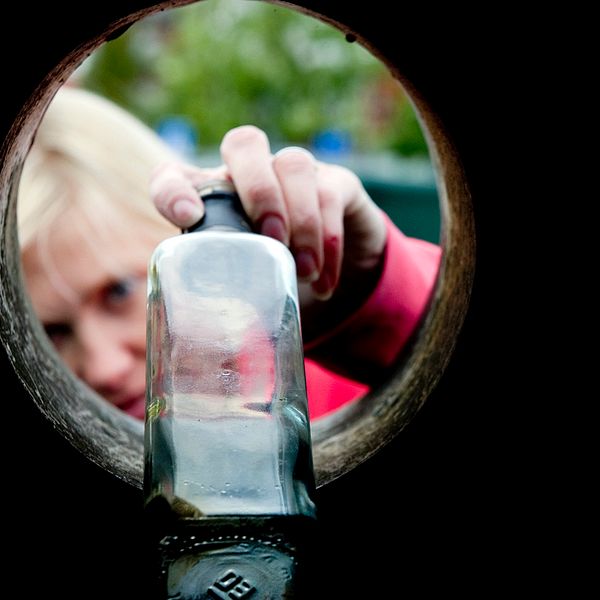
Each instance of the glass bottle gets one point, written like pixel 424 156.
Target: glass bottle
pixel 227 436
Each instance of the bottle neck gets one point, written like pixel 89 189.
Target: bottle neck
pixel 223 210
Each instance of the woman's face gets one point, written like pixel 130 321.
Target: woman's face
pixel 93 308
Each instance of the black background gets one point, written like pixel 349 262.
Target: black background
pixel 452 506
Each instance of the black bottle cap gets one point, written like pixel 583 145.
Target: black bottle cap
pixel 222 208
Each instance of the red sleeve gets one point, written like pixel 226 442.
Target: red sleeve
pixel 327 390
pixel 374 336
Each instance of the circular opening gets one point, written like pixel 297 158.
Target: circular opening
pixel 340 441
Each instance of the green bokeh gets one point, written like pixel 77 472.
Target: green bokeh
pixel 223 63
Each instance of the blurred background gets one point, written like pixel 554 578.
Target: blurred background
pixel 194 72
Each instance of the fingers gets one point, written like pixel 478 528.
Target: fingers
pixel 173 191
pixel 332 219
pixel 247 155
pixel 279 194
pixel 288 196
pixel 296 171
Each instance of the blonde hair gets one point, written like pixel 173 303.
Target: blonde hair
pixel 90 154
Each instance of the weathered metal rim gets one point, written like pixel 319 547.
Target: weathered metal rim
pixel 341 441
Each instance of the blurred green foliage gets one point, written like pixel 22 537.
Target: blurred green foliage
pixel 223 63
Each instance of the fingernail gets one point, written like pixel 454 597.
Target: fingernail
pixel 186 212
pixel 306 265
pixel 323 288
pixel 273 226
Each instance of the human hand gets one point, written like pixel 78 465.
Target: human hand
pixel 321 211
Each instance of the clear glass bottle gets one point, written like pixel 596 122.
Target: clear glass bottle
pixel 227 428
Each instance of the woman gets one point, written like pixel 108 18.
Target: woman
pixel 88 223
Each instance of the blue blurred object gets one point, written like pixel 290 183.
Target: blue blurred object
pixel 180 134
pixel 332 142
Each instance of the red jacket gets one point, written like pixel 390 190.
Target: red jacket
pixel 373 337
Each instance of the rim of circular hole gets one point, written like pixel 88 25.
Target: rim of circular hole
pixel 341 441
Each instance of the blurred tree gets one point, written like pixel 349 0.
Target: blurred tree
pixel 222 63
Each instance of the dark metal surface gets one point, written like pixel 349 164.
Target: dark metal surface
pixel 428 510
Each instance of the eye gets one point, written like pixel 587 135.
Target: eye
pixel 58 332
pixel 120 292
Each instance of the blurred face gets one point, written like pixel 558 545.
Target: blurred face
pixel 93 307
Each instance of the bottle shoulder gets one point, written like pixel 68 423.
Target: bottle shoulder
pixel 234 246
pixel 222 238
